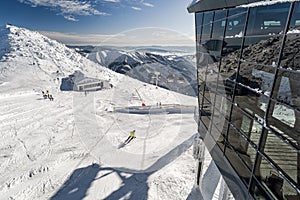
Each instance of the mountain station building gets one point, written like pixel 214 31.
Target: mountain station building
pixel 248 68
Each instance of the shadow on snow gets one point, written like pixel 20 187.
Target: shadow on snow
pixel 132 187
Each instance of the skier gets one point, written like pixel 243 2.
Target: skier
pixel 47 94
pixel 130 137
pixel 44 95
pixel 51 97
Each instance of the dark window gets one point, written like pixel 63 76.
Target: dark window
pixel 207 26
pixel 199 19
pixel 219 24
pixel 295 20
pixel 267 20
pixel 236 23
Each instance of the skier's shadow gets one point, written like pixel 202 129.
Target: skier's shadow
pixel 132 187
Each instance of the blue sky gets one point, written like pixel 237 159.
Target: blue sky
pixel 95 21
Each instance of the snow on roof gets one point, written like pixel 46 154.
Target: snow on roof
pixel 265 3
pixel 206 5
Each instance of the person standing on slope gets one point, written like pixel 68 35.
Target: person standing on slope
pixel 130 137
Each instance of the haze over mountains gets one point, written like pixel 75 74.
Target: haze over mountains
pixel 173 66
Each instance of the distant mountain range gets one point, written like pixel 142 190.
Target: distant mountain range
pixel 172 68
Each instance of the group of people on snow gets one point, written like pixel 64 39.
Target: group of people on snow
pixel 46 95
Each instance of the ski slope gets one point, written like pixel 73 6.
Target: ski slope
pixel 68 148
pixel 50 148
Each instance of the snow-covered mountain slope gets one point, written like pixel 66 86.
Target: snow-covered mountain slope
pixel 33 58
pixel 177 68
pixel 68 148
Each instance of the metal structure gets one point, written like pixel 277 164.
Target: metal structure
pixel 248 61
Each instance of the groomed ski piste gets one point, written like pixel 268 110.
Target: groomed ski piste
pixel 68 148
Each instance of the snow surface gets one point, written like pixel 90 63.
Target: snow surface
pixel 68 148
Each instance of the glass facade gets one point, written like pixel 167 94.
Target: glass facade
pixel 248 62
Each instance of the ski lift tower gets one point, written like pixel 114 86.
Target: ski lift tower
pixel 156 81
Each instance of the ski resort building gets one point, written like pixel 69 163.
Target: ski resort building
pixel 248 67
pixel 79 82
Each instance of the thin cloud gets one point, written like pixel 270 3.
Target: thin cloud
pixel 148 4
pixel 136 8
pixel 67 7
pixel 70 18
pixel 115 1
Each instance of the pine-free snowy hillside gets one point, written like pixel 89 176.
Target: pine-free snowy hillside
pixel 176 67
pixel 71 148
pixel 35 59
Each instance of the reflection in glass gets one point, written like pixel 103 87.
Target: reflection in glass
pixel 295 19
pixel 242 147
pixel 286 88
pixel 199 18
pixel 267 20
pixel 219 24
pixel 207 25
pixel 276 184
pixel 263 50
pixel 291 55
pixel 235 23
pixel 282 154
pixel 237 163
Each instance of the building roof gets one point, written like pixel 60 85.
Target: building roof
pixel 206 5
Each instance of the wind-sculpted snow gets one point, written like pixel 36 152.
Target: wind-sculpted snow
pixel 34 58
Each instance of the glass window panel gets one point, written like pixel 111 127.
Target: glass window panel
pixel 199 19
pixel 254 104
pixel 283 114
pixel 217 135
pixel 246 152
pixel 223 106
pixel 282 154
pixel 259 192
pixel 257 78
pixel 291 55
pixel 206 121
pixel 225 88
pixel 219 24
pixel 286 88
pixel 295 20
pixel 236 22
pixel 240 167
pixel 284 121
pixel 212 76
pixel 206 109
pixel 229 64
pixel 255 132
pixel 207 25
pixel 219 122
pixel 249 127
pixel 267 20
pixel 202 130
pixel 274 182
pixel 262 50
